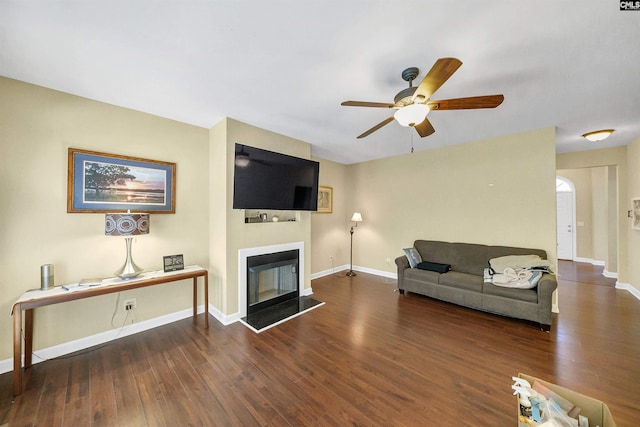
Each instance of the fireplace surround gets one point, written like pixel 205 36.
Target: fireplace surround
pixel 243 271
pixel 271 285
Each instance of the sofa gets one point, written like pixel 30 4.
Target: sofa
pixel 464 284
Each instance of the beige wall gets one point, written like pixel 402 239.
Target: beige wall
pixel 599 213
pixel 495 191
pixel 37 127
pixel 330 231
pixel 633 152
pixel 616 161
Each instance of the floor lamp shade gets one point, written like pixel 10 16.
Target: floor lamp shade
pixel 127 225
pixel 355 218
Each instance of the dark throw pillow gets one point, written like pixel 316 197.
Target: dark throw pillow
pixel 434 266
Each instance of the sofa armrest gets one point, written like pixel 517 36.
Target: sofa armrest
pixel 546 286
pixel 402 263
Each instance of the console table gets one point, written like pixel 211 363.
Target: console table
pixel 37 298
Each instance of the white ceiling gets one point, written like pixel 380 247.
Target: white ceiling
pixel 285 65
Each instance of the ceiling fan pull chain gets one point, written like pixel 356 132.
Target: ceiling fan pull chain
pixel 411 141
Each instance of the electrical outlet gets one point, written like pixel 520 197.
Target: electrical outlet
pixel 130 304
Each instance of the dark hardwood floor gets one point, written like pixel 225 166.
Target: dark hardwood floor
pixel 368 357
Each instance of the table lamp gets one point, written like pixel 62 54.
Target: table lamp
pixel 127 225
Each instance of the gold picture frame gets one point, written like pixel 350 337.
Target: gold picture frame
pixel 101 183
pixel 325 199
pixel 635 213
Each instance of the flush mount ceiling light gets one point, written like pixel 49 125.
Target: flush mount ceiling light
pixel 598 135
pixel 412 115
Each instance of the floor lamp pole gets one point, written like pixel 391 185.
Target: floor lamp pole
pixel 351 273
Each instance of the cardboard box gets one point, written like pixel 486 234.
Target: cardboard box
pixel 596 411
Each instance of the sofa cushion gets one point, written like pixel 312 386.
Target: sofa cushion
pixel 434 266
pixel 455 279
pixel 463 257
pixel 528 295
pixel 422 275
pixel 413 256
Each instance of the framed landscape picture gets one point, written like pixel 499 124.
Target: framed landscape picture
pixel 325 199
pixel 100 182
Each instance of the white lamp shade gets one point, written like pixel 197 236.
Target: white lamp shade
pixel 356 217
pixel 412 115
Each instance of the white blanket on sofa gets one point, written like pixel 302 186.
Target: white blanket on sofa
pixel 520 279
pixel 518 262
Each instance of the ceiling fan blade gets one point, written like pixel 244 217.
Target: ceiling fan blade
pixel 437 75
pixel 425 128
pixel 367 104
pixel 376 127
pixel 488 101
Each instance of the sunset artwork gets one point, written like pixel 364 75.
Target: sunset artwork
pixel 102 182
pixel 111 183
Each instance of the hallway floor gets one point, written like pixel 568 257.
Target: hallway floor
pixel 583 272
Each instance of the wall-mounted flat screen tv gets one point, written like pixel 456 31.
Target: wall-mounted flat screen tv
pixel 265 179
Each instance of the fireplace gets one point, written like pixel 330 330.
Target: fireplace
pixel 272 278
pixel 263 254
pixel 269 290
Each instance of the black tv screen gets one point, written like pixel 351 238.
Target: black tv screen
pixel 265 179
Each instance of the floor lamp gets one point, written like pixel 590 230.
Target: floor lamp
pixel 355 218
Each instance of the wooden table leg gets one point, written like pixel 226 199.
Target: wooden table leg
pixel 17 350
pixel 28 337
pixel 206 300
pixel 195 300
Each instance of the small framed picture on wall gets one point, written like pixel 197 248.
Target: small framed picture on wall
pixel 325 199
pixel 635 213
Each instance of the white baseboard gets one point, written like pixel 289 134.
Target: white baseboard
pixel 605 273
pixel 101 338
pixel 221 317
pixel 589 261
pixel 630 288
pixel 329 271
pixel 355 268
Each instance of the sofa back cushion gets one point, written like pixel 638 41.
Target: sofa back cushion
pixel 463 257
pixel 498 251
pixel 469 258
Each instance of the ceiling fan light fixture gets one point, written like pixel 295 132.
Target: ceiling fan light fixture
pixel 412 115
pixel 598 135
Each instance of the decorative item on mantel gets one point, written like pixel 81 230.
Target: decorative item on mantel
pixel 355 218
pixel 127 225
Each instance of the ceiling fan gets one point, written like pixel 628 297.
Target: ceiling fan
pixel 414 103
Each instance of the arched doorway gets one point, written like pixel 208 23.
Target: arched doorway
pixel 566 215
